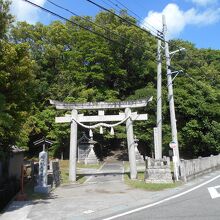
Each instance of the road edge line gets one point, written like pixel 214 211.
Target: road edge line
pixel 161 201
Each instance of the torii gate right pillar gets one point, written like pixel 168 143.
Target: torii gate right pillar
pixel 131 146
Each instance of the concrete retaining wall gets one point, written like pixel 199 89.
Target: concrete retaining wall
pixel 191 168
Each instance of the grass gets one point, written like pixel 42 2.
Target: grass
pixel 126 166
pixel 64 169
pixel 140 183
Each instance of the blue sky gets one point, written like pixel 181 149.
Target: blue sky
pixel 197 21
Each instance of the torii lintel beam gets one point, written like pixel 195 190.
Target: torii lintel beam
pixel 101 105
pixel 102 118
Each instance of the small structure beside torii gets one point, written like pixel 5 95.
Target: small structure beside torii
pixel 86 152
pixel 79 119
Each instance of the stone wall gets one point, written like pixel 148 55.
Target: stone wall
pixel 191 168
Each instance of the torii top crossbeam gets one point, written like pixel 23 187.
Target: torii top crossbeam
pixel 101 105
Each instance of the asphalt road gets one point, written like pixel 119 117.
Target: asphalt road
pixel 196 204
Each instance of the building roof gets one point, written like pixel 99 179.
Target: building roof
pixel 85 140
pixel 16 149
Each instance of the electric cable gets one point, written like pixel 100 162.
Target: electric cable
pixel 91 22
pixel 193 60
pixel 72 22
pixel 123 19
pixel 199 83
pixel 136 15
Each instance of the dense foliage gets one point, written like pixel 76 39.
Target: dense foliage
pixel 64 62
pixel 16 83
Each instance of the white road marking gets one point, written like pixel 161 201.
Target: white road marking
pixel 213 192
pixel 88 211
pixel 162 201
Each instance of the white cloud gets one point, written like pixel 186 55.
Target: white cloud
pixel 24 11
pixel 177 19
pixel 204 2
pixel 208 17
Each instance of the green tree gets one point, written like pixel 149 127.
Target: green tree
pixel 74 65
pixel 16 88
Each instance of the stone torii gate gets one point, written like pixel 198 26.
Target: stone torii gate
pixel 76 118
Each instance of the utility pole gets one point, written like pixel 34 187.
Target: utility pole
pixel 158 145
pixel 170 95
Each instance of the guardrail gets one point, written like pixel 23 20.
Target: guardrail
pixel 191 168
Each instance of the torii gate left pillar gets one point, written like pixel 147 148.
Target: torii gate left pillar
pixel 73 147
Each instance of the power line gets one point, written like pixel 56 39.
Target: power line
pixel 106 3
pixel 136 15
pixel 72 22
pixel 123 19
pixel 194 63
pixel 91 22
pixel 154 31
pixel 197 82
pixel 75 23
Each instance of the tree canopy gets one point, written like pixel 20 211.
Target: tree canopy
pixel 64 62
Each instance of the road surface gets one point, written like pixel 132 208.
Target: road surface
pixel 105 196
pixel 201 202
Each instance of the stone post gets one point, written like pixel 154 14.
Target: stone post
pixel 73 148
pixel 43 169
pixel 42 186
pixel 131 145
pixel 138 156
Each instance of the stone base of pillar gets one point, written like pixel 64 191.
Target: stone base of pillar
pixel 158 171
pixel 42 189
pixel 91 159
pixel 133 176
